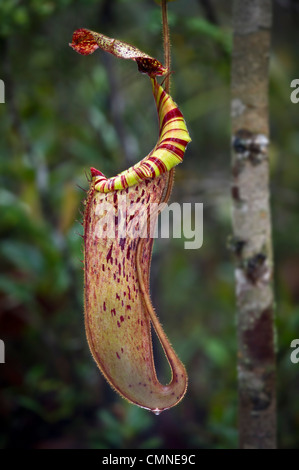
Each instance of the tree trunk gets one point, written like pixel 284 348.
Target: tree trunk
pixel 251 239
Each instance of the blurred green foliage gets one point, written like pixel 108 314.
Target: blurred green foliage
pixel 65 113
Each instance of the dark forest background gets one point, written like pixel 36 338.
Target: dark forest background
pixel 65 113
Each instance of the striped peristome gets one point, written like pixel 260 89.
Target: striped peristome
pixel 168 152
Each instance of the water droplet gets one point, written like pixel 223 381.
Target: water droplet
pixel 157 411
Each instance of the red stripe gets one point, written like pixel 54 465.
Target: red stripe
pixel 161 99
pixel 123 181
pixel 150 168
pixel 111 184
pixel 172 130
pixel 173 113
pixel 173 149
pixel 139 172
pixel 174 139
pixel 101 181
pixel 159 163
